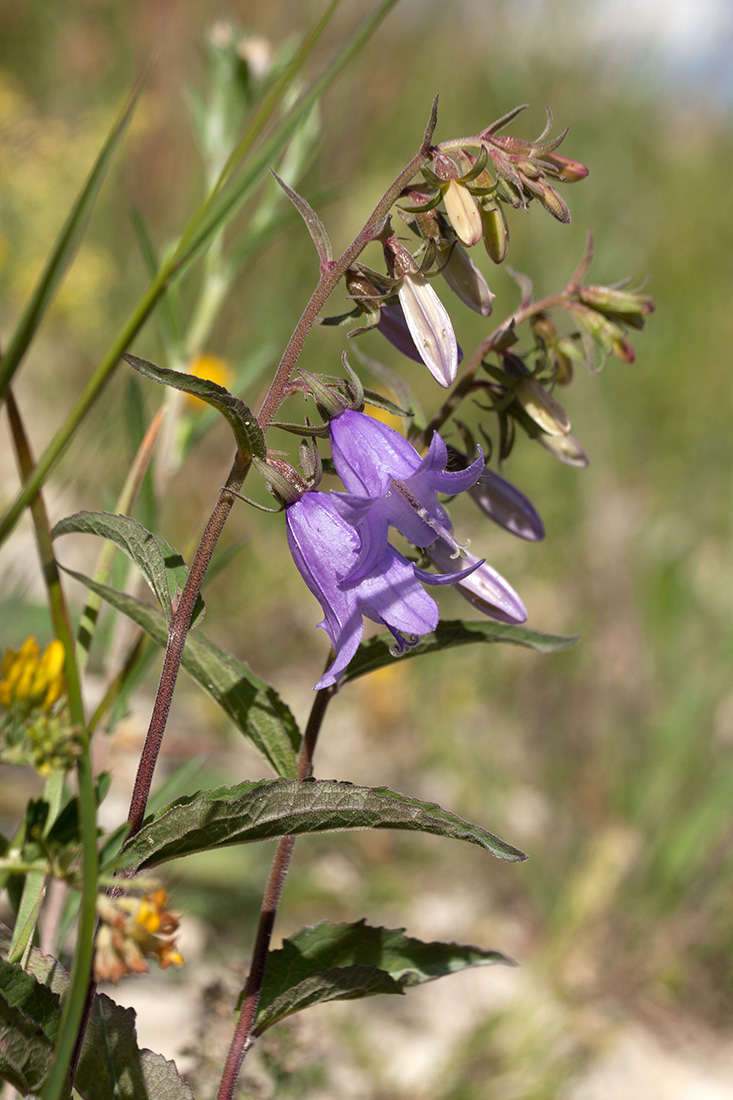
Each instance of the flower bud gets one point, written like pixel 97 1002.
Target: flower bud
pixel 495 231
pixel 553 202
pixel 484 588
pixel 430 328
pixel 624 305
pixel 463 213
pixel 503 503
pixel 465 279
pixel 570 171
pixel 542 407
pixel 606 332
pixel 565 448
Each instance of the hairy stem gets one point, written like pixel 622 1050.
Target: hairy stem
pixel 326 284
pixel 244 1038
pixel 177 634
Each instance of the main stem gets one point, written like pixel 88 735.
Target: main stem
pixel 243 1036
pixel 177 634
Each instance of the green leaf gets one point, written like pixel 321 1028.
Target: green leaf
pixel 264 809
pixel 315 226
pixel 253 705
pixel 111 1063
pixel 29 1020
pixel 340 983
pixel 241 419
pixel 333 962
pixel 64 249
pixel 375 653
pixel 163 567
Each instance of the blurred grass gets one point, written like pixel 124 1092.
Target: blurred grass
pixel 611 764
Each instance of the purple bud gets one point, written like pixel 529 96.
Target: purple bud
pixel 503 503
pixel 484 588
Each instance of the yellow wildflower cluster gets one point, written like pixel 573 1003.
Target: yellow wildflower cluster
pixel 34 731
pixel 30 679
pixel 133 930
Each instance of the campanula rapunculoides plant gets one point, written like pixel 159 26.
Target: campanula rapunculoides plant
pixel 365 510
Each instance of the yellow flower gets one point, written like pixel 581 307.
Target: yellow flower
pixel 32 680
pixel 213 369
pixel 133 930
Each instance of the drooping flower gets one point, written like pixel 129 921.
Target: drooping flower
pixel 325 549
pixel 483 587
pixel 389 484
pixel 426 316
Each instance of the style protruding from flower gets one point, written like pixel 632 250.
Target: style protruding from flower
pixel 388 484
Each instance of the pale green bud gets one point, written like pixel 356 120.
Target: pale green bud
pixel 463 213
pixel 465 279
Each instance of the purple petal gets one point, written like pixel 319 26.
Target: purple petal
pixel 367 453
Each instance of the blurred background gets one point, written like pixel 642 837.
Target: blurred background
pixel 611 764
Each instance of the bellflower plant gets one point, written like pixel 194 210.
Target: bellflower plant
pixel 339 541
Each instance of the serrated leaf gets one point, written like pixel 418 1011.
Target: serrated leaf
pixel 241 419
pixel 163 567
pixel 330 961
pixel 375 653
pixel 265 809
pixel 111 1063
pixel 253 705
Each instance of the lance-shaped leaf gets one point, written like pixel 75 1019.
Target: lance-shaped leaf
pixel 262 810
pixel 111 1063
pixel 253 705
pixel 376 653
pixel 241 419
pixel 314 224
pixel 163 567
pixel 335 962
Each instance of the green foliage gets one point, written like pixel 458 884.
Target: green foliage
pixel 162 567
pixel 376 653
pixel 247 432
pixel 111 1062
pixel 262 810
pixel 334 962
pixel 255 708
